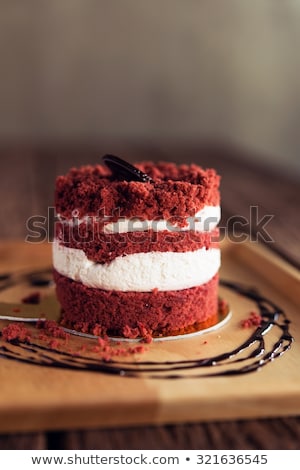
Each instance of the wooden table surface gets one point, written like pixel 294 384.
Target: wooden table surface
pixel 26 189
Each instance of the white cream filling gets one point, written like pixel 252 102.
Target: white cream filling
pixel 203 221
pixel 139 272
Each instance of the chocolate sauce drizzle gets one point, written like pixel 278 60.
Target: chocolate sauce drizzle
pixel 250 356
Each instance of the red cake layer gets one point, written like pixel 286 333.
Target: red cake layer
pixel 103 248
pixel 177 191
pixel 133 314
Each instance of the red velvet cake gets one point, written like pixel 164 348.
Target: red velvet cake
pixel 137 258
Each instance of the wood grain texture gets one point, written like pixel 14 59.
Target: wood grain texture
pixel 259 434
pixel 52 401
pixel 21 441
pixel 26 188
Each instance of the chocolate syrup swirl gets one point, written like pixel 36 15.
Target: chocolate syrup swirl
pixel 251 355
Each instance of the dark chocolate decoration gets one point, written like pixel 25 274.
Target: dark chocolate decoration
pixel 124 170
pixel 250 356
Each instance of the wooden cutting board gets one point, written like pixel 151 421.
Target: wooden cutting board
pixel 41 398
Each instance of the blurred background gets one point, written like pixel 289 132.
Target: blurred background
pixel 216 82
pixel 153 70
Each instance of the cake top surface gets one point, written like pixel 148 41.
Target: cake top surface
pixel 176 191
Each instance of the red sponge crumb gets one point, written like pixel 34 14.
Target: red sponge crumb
pixel 52 329
pixel 177 191
pixel 254 319
pixel 137 314
pixel 140 332
pixel 130 333
pixel 98 330
pixel 53 344
pixel 33 298
pixel 108 350
pixel 16 332
pixel 103 248
pixel 51 334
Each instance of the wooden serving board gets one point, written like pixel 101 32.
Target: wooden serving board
pixel 41 398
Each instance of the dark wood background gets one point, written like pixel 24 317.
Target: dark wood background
pixel 26 188
pixel 28 175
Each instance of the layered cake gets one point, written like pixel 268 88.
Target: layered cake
pixel 137 257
